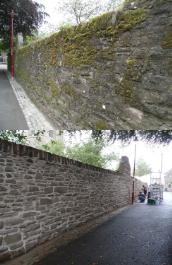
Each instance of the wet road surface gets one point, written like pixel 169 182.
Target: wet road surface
pixel 140 235
pixel 11 115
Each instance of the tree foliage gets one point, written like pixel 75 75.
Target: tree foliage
pixel 28 17
pixel 91 153
pixel 151 136
pixel 13 136
pixel 142 168
pixel 55 147
pixel 19 136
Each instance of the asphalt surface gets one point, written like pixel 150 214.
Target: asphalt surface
pixel 11 115
pixel 140 235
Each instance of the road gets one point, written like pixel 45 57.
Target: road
pixel 140 235
pixel 11 115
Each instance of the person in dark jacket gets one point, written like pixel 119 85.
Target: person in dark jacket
pixel 141 197
pixel 144 190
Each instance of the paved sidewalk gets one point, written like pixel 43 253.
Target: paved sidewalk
pixel 16 109
pixel 11 115
pixel 35 119
pixel 140 235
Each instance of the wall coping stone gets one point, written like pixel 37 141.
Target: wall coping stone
pixel 24 150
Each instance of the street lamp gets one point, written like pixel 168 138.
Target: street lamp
pixel 12 45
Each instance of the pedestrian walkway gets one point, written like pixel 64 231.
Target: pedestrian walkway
pixel 11 115
pixel 17 111
pixel 140 235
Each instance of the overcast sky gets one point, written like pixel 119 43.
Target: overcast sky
pixel 56 18
pixel 151 153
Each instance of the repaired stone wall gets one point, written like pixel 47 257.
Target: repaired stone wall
pixel 43 195
pixel 115 70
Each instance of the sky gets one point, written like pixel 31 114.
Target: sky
pixel 152 154
pixel 56 17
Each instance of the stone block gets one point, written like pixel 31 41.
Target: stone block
pixel 32 227
pixel 16 245
pixel 4 255
pixel 29 214
pixel 12 238
pixel 3 249
pixel 1 224
pixel 9 169
pixel 33 188
pixel 2 188
pixel 45 201
pixel 60 190
pixel 13 221
pixel 17 252
pixel 11 180
pixel 30 245
pixel 9 175
pixel 38 176
pixel 48 190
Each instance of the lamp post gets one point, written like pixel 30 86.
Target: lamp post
pixel 134 170
pixel 12 45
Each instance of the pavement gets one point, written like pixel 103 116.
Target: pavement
pixel 142 235
pixel 11 115
pixel 17 111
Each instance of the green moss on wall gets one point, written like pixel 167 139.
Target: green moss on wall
pixel 75 45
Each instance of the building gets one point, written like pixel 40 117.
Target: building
pixel 168 180
pixel 3 57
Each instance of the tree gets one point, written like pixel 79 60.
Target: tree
pixel 28 17
pixel 90 153
pixel 142 168
pixel 80 10
pixel 55 147
pixel 19 136
pixel 151 136
pixel 13 136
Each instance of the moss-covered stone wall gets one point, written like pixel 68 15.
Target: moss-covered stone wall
pixel 112 72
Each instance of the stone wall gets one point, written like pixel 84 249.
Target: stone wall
pixel 114 70
pixel 43 195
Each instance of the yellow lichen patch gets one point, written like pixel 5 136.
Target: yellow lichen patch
pixel 102 125
pixel 167 41
pixel 131 62
pixel 69 90
pixel 55 90
pixel 126 90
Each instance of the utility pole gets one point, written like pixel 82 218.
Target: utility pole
pixel 134 170
pixel 12 45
